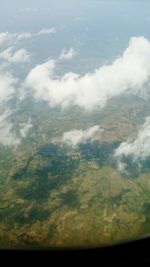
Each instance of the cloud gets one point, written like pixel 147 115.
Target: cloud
pixel 47 31
pixel 7 137
pixel 5 115
pixel 12 38
pixel 7 38
pixel 76 137
pixel 139 149
pixel 20 55
pixel 4 36
pixel 25 127
pixel 79 19
pixel 24 35
pixel 67 54
pixel 127 73
pixel 7 86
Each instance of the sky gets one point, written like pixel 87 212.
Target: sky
pixel 69 53
pixel 98 30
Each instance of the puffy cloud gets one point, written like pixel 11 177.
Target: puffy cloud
pixel 4 36
pixel 24 35
pixel 130 71
pixel 5 115
pixel 20 55
pixel 7 86
pixel 67 54
pixel 25 127
pixel 46 31
pixel 7 137
pixel 76 137
pixel 139 149
pixel 9 38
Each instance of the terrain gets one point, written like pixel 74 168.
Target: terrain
pixel 56 195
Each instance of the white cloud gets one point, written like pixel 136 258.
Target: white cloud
pixel 7 38
pixel 7 138
pixel 24 35
pixel 66 55
pixel 76 137
pixel 122 166
pixel 129 72
pixel 78 19
pixel 20 55
pixel 5 115
pixel 7 86
pixel 139 149
pixel 25 127
pixel 4 36
pixel 46 31
pixel 11 38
